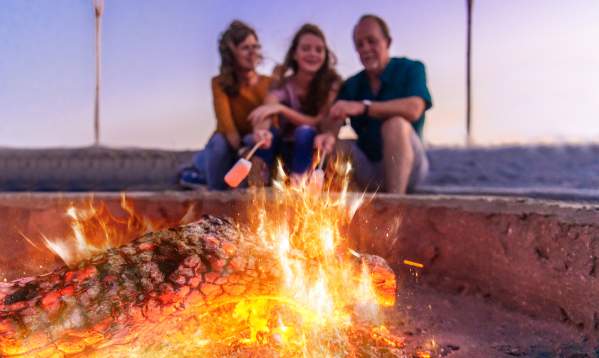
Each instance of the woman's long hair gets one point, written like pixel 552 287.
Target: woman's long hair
pixel 235 34
pixel 324 79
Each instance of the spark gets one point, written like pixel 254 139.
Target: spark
pixel 412 263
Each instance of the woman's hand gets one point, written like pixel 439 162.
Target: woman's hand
pixel 325 142
pixel 263 135
pixel 264 112
pixel 233 139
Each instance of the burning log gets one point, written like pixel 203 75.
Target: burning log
pixel 153 278
pixel 150 278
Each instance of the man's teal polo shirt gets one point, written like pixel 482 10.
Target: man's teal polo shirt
pixel 401 78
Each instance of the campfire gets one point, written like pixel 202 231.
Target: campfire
pixel 286 283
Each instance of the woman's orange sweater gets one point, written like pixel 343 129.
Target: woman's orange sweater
pixel 232 112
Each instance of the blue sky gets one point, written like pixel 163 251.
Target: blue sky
pixel 535 66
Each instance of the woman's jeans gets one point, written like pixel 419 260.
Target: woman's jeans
pixel 219 156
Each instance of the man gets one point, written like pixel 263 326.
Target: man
pixel 386 103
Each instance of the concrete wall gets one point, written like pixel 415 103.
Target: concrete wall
pixel 90 168
pixel 533 256
pixel 536 257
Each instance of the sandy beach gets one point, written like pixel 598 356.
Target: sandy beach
pixel 567 172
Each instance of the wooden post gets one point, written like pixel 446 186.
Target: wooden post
pixel 98 9
pixel 469 4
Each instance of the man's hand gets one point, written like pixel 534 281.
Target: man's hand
pixel 343 109
pixel 263 135
pixel 325 142
pixel 263 112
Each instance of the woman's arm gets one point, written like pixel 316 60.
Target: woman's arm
pixel 224 117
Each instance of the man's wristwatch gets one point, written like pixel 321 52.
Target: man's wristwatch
pixel 367 103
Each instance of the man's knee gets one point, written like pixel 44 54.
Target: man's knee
pixel 344 146
pixel 396 127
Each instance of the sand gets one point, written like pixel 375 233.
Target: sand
pixel 569 172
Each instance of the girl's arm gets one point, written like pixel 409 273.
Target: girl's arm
pixel 272 106
pixel 325 122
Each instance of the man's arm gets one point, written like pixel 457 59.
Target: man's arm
pixel 417 98
pixel 410 108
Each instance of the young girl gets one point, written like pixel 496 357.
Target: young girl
pixel 306 85
pixel 237 91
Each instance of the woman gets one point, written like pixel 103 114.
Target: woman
pixel 237 91
pixel 300 100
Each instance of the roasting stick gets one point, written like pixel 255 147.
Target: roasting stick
pixel 321 164
pixel 317 177
pixel 254 149
pixel 241 169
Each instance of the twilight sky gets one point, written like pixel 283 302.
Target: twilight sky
pixel 535 66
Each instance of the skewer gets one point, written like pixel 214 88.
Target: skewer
pixel 317 177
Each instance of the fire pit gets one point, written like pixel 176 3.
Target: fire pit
pixel 287 282
pixel 478 277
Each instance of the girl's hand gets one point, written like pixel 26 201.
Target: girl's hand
pixel 325 142
pixel 263 135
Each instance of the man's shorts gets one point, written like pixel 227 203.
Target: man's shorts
pixel 370 175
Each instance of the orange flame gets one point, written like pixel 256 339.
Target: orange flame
pixel 94 229
pixel 307 231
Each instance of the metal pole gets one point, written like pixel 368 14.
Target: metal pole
pixel 469 4
pixel 98 9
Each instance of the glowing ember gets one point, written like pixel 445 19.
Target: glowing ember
pixel 412 263
pixel 289 285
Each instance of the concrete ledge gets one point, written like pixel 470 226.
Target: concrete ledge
pixel 539 192
pixel 90 169
pixel 564 172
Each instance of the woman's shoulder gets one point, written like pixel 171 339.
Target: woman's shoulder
pixel 217 82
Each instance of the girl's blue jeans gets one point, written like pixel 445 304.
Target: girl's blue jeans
pixel 219 156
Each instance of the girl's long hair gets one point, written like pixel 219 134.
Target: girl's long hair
pixel 235 34
pixel 324 79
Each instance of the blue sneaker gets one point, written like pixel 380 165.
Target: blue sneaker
pixel 190 178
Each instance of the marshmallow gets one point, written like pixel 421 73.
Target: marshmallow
pixel 240 171
pixel 317 181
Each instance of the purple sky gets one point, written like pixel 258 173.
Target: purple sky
pixel 535 66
